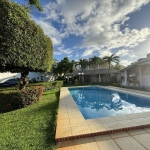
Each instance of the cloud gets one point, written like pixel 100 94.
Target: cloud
pixel 77 55
pixel 87 53
pixel 49 30
pixel 125 52
pixel 57 53
pixel 125 62
pixel 105 53
pixel 65 51
pixel 98 22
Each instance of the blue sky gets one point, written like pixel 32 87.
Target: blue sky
pixel 84 28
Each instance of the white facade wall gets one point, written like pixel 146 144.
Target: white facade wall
pixel 36 75
pixel 145 80
pixel 123 83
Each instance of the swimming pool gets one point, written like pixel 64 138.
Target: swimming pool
pixel 97 102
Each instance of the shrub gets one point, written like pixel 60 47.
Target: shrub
pixel 116 84
pixel 48 85
pixel 14 100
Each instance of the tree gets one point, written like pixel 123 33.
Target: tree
pixel 95 61
pixel 35 3
pixel 73 66
pixel 23 45
pixel 82 63
pixel 110 59
pixel 118 66
pixel 63 66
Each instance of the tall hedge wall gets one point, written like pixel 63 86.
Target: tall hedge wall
pixel 23 45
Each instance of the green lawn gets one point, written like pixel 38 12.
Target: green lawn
pixel 31 128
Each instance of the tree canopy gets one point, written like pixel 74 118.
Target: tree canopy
pixel 23 45
pixel 111 59
pixel 36 3
pixel 62 67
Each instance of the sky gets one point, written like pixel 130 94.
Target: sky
pixel 81 29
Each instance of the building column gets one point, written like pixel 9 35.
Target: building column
pixel 140 76
pixel 126 77
pixel 99 78
pixel 82 78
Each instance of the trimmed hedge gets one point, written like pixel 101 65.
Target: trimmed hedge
pixel 116 84
pixel 23 45
pixel 18 99
pixel 48 85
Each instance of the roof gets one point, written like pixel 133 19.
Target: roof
pixel 143 61
pixel 147 62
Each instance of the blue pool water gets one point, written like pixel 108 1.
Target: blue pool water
pixel 97 102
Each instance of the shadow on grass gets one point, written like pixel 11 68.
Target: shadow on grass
pixel 51 129
pixel 50 110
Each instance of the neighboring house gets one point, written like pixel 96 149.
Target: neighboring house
pixel 32 76
pixel 88 74
pixel 137 74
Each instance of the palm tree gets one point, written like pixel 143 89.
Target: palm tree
pixel 94 61
pixel 111 59
pixel 82 63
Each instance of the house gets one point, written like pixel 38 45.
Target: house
pixel 137 74
pixel 98 75
pixel 38 76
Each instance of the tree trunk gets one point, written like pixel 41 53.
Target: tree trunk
pixel 23 80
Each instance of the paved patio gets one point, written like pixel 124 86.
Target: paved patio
pixel 130 140
pixel 117 132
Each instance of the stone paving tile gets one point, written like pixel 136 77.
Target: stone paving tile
pixel 63 106
pixel 147 129
pixel 132 116
pixel 64 123
pixel 102 137
pixel 144 114
pixel 66 148
pixel 63 116
pixel 97 127
pixel 122 117
pixel 92 121
pixel 84 140
pixel 128 123
pixel 112 125
pixel 128 143
pixel 108 145
pixel 63 132
pixel 137 131
pixel 106 119
pixel 144 139
pixel 85 144
pixel 63 110
pixel 77 122
pixel 142 121
pixel 118 135
pixel 80 130
pixel 75 115
pixel 65 144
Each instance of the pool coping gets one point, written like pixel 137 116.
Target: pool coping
pixel 72 125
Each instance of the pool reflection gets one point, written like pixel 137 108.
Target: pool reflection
pixel 97 102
